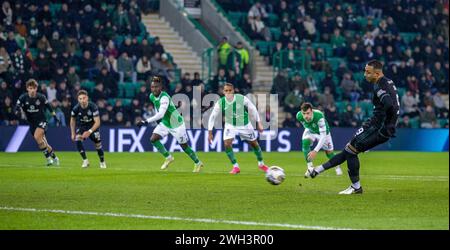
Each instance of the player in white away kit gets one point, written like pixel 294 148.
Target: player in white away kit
pixel 236 107
pixel 171 123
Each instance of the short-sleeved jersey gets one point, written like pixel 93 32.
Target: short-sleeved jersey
pixel 235 112
pixel 34 107
pixel 385 88
pixel 85 116
pixel 314 124
pixel 172 118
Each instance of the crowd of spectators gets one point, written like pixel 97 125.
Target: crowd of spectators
pixel 64 44
pixel 356 31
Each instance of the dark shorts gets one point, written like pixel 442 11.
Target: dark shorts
pixel 366 138
pixel 35 125
pixel 95 136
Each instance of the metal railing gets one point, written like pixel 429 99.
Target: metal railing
pixel 294 60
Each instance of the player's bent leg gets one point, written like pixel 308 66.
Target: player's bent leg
pixel 258 152
pixel 39 137
pixel 229 151
pixel 306 148
pixel 338 159
pixel 80 147
pixel 330 154
pixel 198 165
pixel 51 151
pixel 155 140
pixel 101 154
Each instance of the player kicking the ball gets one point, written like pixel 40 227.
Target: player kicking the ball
pixel 316 129
pixel 375 131
pixel 236 107
pixel 85 123
pixel 171 122
pixel 34 104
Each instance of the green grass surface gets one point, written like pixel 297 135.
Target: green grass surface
pixel 402 191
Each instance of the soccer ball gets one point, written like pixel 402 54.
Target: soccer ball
pixel 275 175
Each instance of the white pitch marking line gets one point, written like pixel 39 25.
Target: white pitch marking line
pixel 155 217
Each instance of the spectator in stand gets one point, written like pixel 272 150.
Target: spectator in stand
pixel 327 99
pixel 157 47
pixel 347 118
pixel 281 85
pixel 358 116
pixel 289 121
pixel 404 122
pixel 7 113
pixel 99 93
pixel 143 68
pixel 338 43
pixel 87 66
pixel 410 104
pixel 224 50
pixel 125 68
pixel 109 82
pixel 332 115
pixel 428 118
pixel 293 100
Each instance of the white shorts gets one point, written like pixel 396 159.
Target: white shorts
pixel 328 145
pixel 179 133
pixel 246 132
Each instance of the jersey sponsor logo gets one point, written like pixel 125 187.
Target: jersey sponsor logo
pixel 32 109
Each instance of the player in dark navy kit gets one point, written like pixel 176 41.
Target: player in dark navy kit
pixel 375 131
pixel 85 123
pixel 34 105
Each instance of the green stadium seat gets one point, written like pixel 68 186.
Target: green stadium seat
pixel 34 52
pixel 272 20
pixel 325 46
pixel 367 107
pixel 414 122
pixel 276 33
pixel 358 76
pixel 264 47
pixel 319 76
pixel 340 106
pixel 143 29
pixel 442 122
pixel 334 62
pixel 125 101
pixel 236 17
pixel 401 92
pixel 54 8
pixel 408 36
pixel 88 85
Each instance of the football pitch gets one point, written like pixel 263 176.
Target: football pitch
pixel 402 190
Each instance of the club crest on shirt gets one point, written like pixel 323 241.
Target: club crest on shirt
pixel 38 102
pixel 380 92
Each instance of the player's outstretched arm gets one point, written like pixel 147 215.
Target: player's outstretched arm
pixel 159 115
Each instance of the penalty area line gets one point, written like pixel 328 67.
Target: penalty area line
pixel 170 218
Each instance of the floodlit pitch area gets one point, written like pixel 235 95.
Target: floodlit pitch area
pixel 402 191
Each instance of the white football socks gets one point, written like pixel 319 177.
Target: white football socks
pixel 319 169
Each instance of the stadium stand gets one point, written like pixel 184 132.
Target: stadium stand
pixel 312 46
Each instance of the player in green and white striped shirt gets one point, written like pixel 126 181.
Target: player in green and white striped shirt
pixel 316 129
pixel 236 108
pixel 171 122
